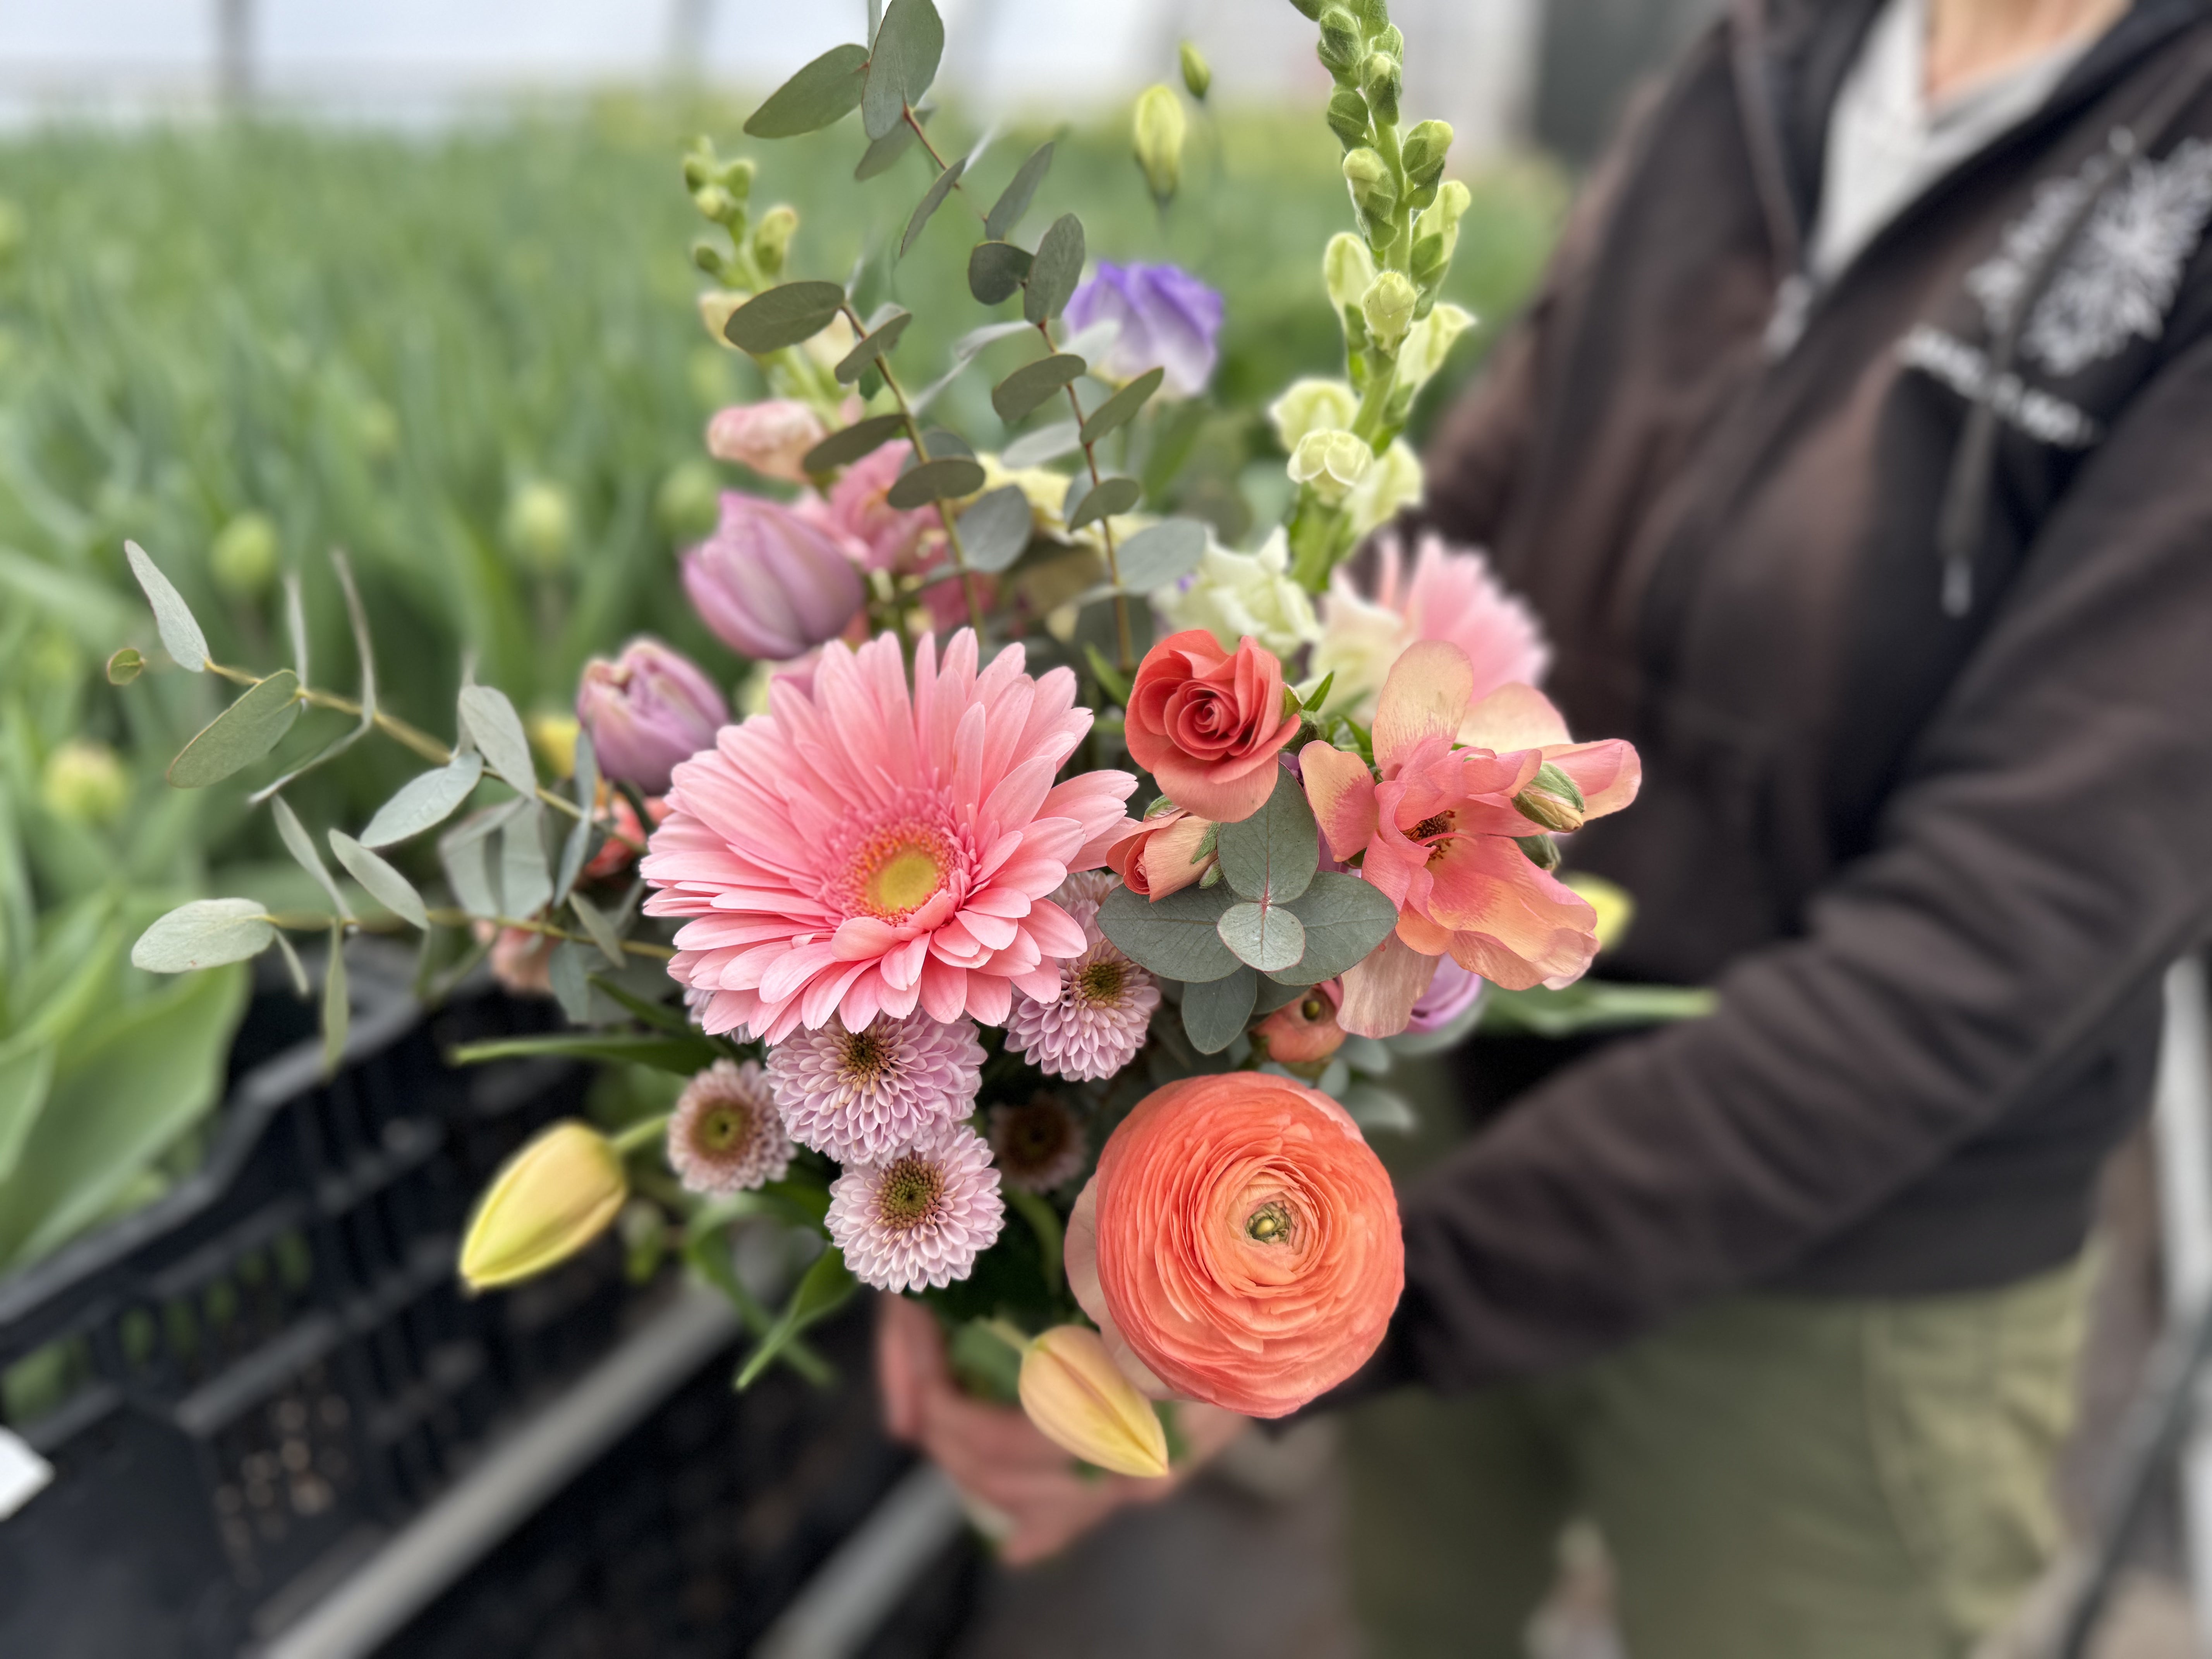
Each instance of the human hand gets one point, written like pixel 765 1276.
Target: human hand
pixel 1020 1487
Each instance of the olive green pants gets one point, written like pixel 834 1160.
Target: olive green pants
pixel 1776 1478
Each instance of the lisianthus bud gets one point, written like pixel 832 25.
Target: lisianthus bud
pixel 772 238
pixel 1197 73
pixel 1388 306
pixel 1340 42
pixel 83 782
pixel 1430 343
pixel 1160 136
pixel 769 583
pixel 1347 268
pixel 554 1197
pixel 539 525
pixel 1347 117
pixel 1078 1399
pixel 1332 461
pixel 1311 405
pixel 646 711
pixel 1381 82
pixel 243 560
pixel 1374 191
pixel 771 437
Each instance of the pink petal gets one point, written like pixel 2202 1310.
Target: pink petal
pixel 1514 716
pixel 1424 699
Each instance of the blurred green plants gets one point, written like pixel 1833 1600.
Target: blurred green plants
pixel 473 361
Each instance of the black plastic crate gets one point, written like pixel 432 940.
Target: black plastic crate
pixel 247 1386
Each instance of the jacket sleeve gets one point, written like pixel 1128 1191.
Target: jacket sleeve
pixel 2047 852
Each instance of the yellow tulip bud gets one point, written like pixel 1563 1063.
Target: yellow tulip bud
pixel 555 1196
pixel 553 735
pixel 1615 904
pixel 1075 1394
pixel 1159 131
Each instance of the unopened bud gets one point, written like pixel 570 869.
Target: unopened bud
pixel 539 526
pixel 1331 462
pixel 1430 343
pixel 772 238
pixel 699 166
pixel 1340 43
pixel 1347 268
pixel 1375 13
pixel 1391 38
pixel 83 782
pixel 1615 905
pixel 1347 117
pixel 1543 852
pixel 243 560
pixel 716 204
pixel 1441 218
pixel 1381 82
pixel 1388 306
pixel 1374 193
pixel 737 176
pixel 1552 799
pixel 716 306
pixel 1078 1399
pixel 125 665
pixel 1424 149
pixel 1159 135
pixel 1197 73
pixel 1309 8
pixel 708 259
pixel 554 1197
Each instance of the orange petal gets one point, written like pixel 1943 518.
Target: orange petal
pixel 1169 859
pixel 1426 696
pixel 1514 716
pixel 1342 791
pixel 1486 890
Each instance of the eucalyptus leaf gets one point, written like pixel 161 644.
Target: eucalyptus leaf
pixel 295 624
pixel 301 846
pixel 1345 918
pixel 465 850
pixel 205 934
pixel 931 199
pixel 825 91
pixel 828 1284
pixel 1047 443
pixel 1014 200
pixel 425 801
pixel 1175 937
pixel 1268 937
pixel 933 481
pixel 242 734
pixel 293 967
pixel 180 631
pixel 902 64
pixel 877 341
pixel 882 154
pixel 996 270
pixel 937 443
pixel 338 1007
pixel 1058 268
pixel 1378 1110
pixel 860 438
pixel 1032 383
pixel 490 719
pixel 601 927
pixel 1274 854
pixel 358 619
pixel 1112 495
pixel 1216 1011
pixel 786 315
pixel 125 665
pixel 569 980
pixel 1116 411
pixel 385 884
pixel 995 529
pixel 1166 552
pixel 576 850
pixel 525 884
pixel 1274 994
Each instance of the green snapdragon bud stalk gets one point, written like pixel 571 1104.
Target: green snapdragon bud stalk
pixel 1381 83
pixel 1347 118
pixel 772 238
pixel 1341 46
pixel 1387 308
pixel 1309 8
pixel 1374 189
pixel 1347 269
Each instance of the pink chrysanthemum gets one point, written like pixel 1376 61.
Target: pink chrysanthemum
pixel 860 1096
pixel 1040 1144
pixel 725 1134
pixel 921 1217
pixel 1081 895
pixel 1452 595
pixel 1097 1023
pixel 862 849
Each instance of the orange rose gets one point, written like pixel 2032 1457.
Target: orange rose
pixel 1160 855
pixel 1239 1244
pixel 1208 724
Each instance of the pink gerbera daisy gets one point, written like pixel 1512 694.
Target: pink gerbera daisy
pixel 860 1096
pixel 861 849
pixel 921 1217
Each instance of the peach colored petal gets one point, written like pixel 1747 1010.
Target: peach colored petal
pixel 1609 773
pixel 1380 990
pixel 1341 792
pixel 1425 698
pixel 1514 716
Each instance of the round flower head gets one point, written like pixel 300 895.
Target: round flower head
pixel 1039 1145
pixel 725 1135
pixel 1081 895
pixel 860 1096
pixel 1097 1023
pixel 922 1215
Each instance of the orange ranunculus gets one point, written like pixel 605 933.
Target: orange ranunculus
pixel 1438 831
pixel 1208 723
pixel 1305 1030
pixel 1160 855
pixel 1238 1244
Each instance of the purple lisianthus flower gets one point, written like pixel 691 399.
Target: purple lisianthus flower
pixel 1450 994
pixel 1168 318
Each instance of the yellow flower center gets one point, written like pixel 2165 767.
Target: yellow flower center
pixel 896 870
pixel 1271 1223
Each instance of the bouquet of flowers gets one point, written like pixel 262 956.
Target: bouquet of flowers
pixel 1093 1083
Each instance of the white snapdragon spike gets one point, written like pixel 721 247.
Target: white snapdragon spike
pixel 860 1096
pixel 725 1135
pixel 922 1216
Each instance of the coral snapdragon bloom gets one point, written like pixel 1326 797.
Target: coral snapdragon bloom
pixel 862 849
pixel 1437 831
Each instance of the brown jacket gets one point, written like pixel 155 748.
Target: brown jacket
pixel 1935 862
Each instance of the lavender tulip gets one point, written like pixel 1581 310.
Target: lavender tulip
pixel 769 583
pixel 646 710
pixel 1450 994
pixel 1168 318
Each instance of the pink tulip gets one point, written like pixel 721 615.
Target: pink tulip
pixel 877 535
pixel 769 583
pixel 772 437
pixel 646 710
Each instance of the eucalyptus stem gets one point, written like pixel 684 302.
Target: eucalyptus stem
pixel 449 918
pixel 1126 638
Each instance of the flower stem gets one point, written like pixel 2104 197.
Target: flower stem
pixel 1126 638
pixel 642 1133
pixel 462 918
